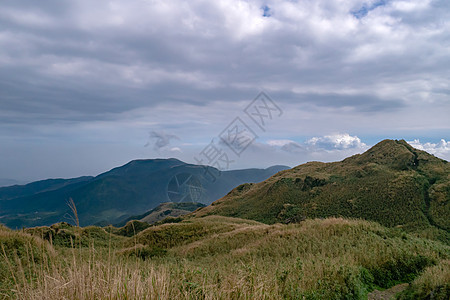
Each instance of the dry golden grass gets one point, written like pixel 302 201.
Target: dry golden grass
pixel 234 259
pixel 438 275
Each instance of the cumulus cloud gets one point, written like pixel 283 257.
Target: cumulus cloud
pixel 330 143
pixel 336 142
pixel 440 149
pixel 292 153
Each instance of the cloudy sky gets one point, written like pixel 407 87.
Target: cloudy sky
pixel 89 85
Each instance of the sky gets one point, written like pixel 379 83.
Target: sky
pixel 86 86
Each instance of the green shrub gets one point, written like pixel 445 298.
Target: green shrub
pixel 132 228
pixel 143 252
pixel 433 283
pixel 402 269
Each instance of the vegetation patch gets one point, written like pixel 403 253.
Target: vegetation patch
pixel 129 229
pixel 20 255
pixel 400 269
pixel 216 257
pixel 142 251
pixel 66 235
pixel 433 283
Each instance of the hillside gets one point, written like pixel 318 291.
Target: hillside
pixel 392 183
pixel 221 258
pixel 164 210
pixel 114 196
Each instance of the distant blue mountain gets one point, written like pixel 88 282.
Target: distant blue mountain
pixel 9 182
pixel 114 196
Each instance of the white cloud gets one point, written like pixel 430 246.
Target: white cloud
pixel 279 143
pixel 440 149
pixel 323 148
pixel 336 142
pixel 411 5
pixel 287 146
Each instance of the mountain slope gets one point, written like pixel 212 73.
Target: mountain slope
pixel 164 210
pixel 113 196
pixel 392 183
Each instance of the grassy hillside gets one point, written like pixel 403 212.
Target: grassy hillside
pixel 223 258
pixel 392 183
pixel 164 210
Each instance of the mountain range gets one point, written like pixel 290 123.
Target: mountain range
pixel 114 196
pixel 373 226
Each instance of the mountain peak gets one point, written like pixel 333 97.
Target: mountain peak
pixel 397 154
pixel 391 183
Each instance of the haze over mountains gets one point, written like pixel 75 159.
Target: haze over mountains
pixel 115 195
pixel 9 182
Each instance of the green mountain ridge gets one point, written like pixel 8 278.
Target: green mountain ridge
pixel 392 183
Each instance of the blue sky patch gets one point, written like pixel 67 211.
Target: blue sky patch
pixel 266 11
pixel 364 10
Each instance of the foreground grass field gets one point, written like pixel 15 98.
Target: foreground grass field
pixel 221 258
